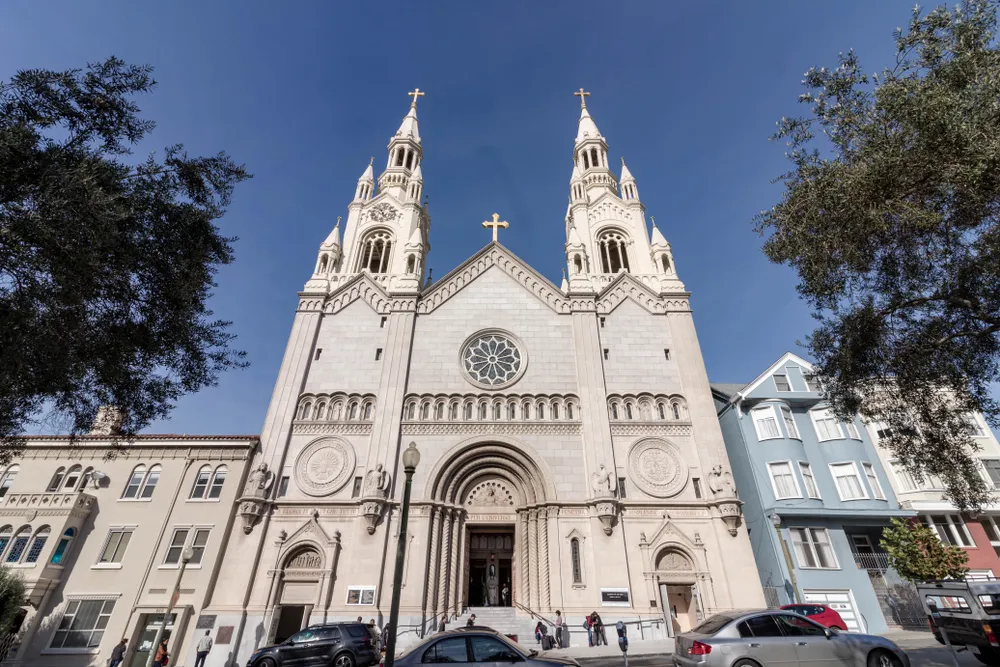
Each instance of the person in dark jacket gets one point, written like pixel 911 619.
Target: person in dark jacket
pixel 118 654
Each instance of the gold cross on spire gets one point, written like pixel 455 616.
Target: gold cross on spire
pixel 496 223
pixel 415 94
pixel 583 95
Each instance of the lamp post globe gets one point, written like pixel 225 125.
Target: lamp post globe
pixel 411 457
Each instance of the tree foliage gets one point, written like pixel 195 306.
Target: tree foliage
pixel 917 554
pixel 106 261
pixel 890 216
pixel 12 590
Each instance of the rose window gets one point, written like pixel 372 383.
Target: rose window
pixel 492 360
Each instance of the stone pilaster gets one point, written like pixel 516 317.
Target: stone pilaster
pixel 444 587
pixel 533 558
pixel 543 559
pixel 431 569
pixel 524 594
pixel 457 562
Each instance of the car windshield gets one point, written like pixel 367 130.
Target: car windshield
pixel 713 624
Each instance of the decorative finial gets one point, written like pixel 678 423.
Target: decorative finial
pixel 564 273
pixel 623 160
pixel 583 95
pixel 653 219
pixel 371 160
pixel 415 94
pixel 427 283
pixel 338 222
pixel 496 223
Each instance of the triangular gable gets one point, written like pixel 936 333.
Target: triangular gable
pixel 383 196
pixel 310 531
pixel 626 286
pixel 780 363
pixel 668 532
pixel 360 287
pixel 493 255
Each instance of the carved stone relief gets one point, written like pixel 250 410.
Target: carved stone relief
pixel 324 466
pixel 656 467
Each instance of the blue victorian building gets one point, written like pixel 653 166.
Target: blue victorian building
pixel 815 498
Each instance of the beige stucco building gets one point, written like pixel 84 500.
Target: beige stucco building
pixel 99 539
pixel 570 454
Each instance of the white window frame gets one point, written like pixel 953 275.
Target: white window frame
pixel 813 546
pixel 852 430
pixel 996 529
pixel 79 600
pixel 774 483
pixel 972 420
pixel 362 590
pixel 113 564
pixel 871 475
pixel 774 415
pixel 812 416
pixel 774 377
pixel 962 531
pixel 793 432
pixel 986 471
pixel 857 474
pixel 803 466
pixel 192 531
pixel 815 381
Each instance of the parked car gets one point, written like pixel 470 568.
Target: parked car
pixel 778 638
pixel 329 645
pixel 968 611
pixel 476 646
pixel 825 616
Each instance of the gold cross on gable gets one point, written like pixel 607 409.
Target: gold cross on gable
pixel 583 95
pixel 496 223
pixel 415 94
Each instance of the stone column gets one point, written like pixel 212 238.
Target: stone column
pixel 430 584
pixel 543 560
pixel 455 573
pixel 443 588
pixel 533 558
pixel 524 592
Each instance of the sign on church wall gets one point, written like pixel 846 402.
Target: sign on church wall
pixel 615 597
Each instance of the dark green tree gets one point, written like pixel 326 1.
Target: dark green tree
pixel 917 554
pixel 106 261
pixel 12 591
pixel 890 216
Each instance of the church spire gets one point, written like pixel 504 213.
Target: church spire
pixel 405 153
pixel 629 192
pixel 590 155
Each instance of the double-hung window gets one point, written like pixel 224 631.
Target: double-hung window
pixel 812 384
pixel 873 482
pixel 807 476
pixel 781 382
pixel 852 430
pixel 848 481
pixel 992 467
pixel 793 431
pixel 813 549
pixel 972 426
pixel 115 546
pixel 827 426
pixel 766 422
pixel 950 529
pixel 197 538
pixel 783 480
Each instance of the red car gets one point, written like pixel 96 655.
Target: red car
pixel 819 613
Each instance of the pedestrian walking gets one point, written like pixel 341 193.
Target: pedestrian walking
pixel 376 635
pixel 202 649
pixel 559 629
pixel 162 656
pixel 117 654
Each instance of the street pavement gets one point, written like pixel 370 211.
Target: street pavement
pixel 923 649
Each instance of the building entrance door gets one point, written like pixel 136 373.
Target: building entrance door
pixel 289 621
pixel 491 567
pixel 149 624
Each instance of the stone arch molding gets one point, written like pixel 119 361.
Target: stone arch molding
pixel 324 466
pixel 657 467
pixel 511 464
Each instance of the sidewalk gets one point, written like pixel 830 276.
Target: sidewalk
pixel 648 647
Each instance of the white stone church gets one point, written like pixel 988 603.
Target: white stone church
pixel 571 457
pixel 570 454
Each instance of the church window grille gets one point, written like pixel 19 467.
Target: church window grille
pixel 628 411
pixel 378 354
pixel 662 410
pixel 368 410
pixel 512 412
pixel 425 411
pixel 468 411
pixel 492 359
pixel 614 255
pixel 677 411
pixel 37 544
pixel 376 249
pixel 497 411
pixel 555 411
pixel 541 411
pixel 614 411
pixel 439 412
pixel 482 411
pixel 354 411
pixel 453 412
pixel 411 411
pixel 569 411
pixel 574 549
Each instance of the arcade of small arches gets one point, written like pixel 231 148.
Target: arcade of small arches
pixel 336 407
pixel 515 407
pixel 647 408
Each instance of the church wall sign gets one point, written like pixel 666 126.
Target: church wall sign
pixel 615 597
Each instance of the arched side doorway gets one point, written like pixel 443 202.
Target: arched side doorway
pixel 679 586
pixel 490 508
pixel 298 588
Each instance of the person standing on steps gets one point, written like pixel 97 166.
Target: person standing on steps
pixel 538 632
pixel 590 631
pixel 201 651
pixel 471 622
pixel 559 629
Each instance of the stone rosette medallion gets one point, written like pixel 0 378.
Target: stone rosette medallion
pixel 324 466
pixel 655 466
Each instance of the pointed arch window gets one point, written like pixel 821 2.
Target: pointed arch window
pixel 593 157
pixel 611 246
pixel 62 549
pixel 574 551
pixel 376 249
pixel 37 544
pixel 8 479
pixel 666 263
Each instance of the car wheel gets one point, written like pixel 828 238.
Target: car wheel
pixel 882 658
pixel 745 662
pixel 987 656
pixel 344 660
pixel 265 662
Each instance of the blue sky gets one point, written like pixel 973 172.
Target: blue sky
pixel 304 92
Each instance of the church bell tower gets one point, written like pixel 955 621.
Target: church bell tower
pixel 386 232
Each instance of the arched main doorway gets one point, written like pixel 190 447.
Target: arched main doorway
pixel 489 529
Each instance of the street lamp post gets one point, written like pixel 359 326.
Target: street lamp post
pixel 186 557
pixel 411 457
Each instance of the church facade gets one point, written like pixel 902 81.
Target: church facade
pixel 571 457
